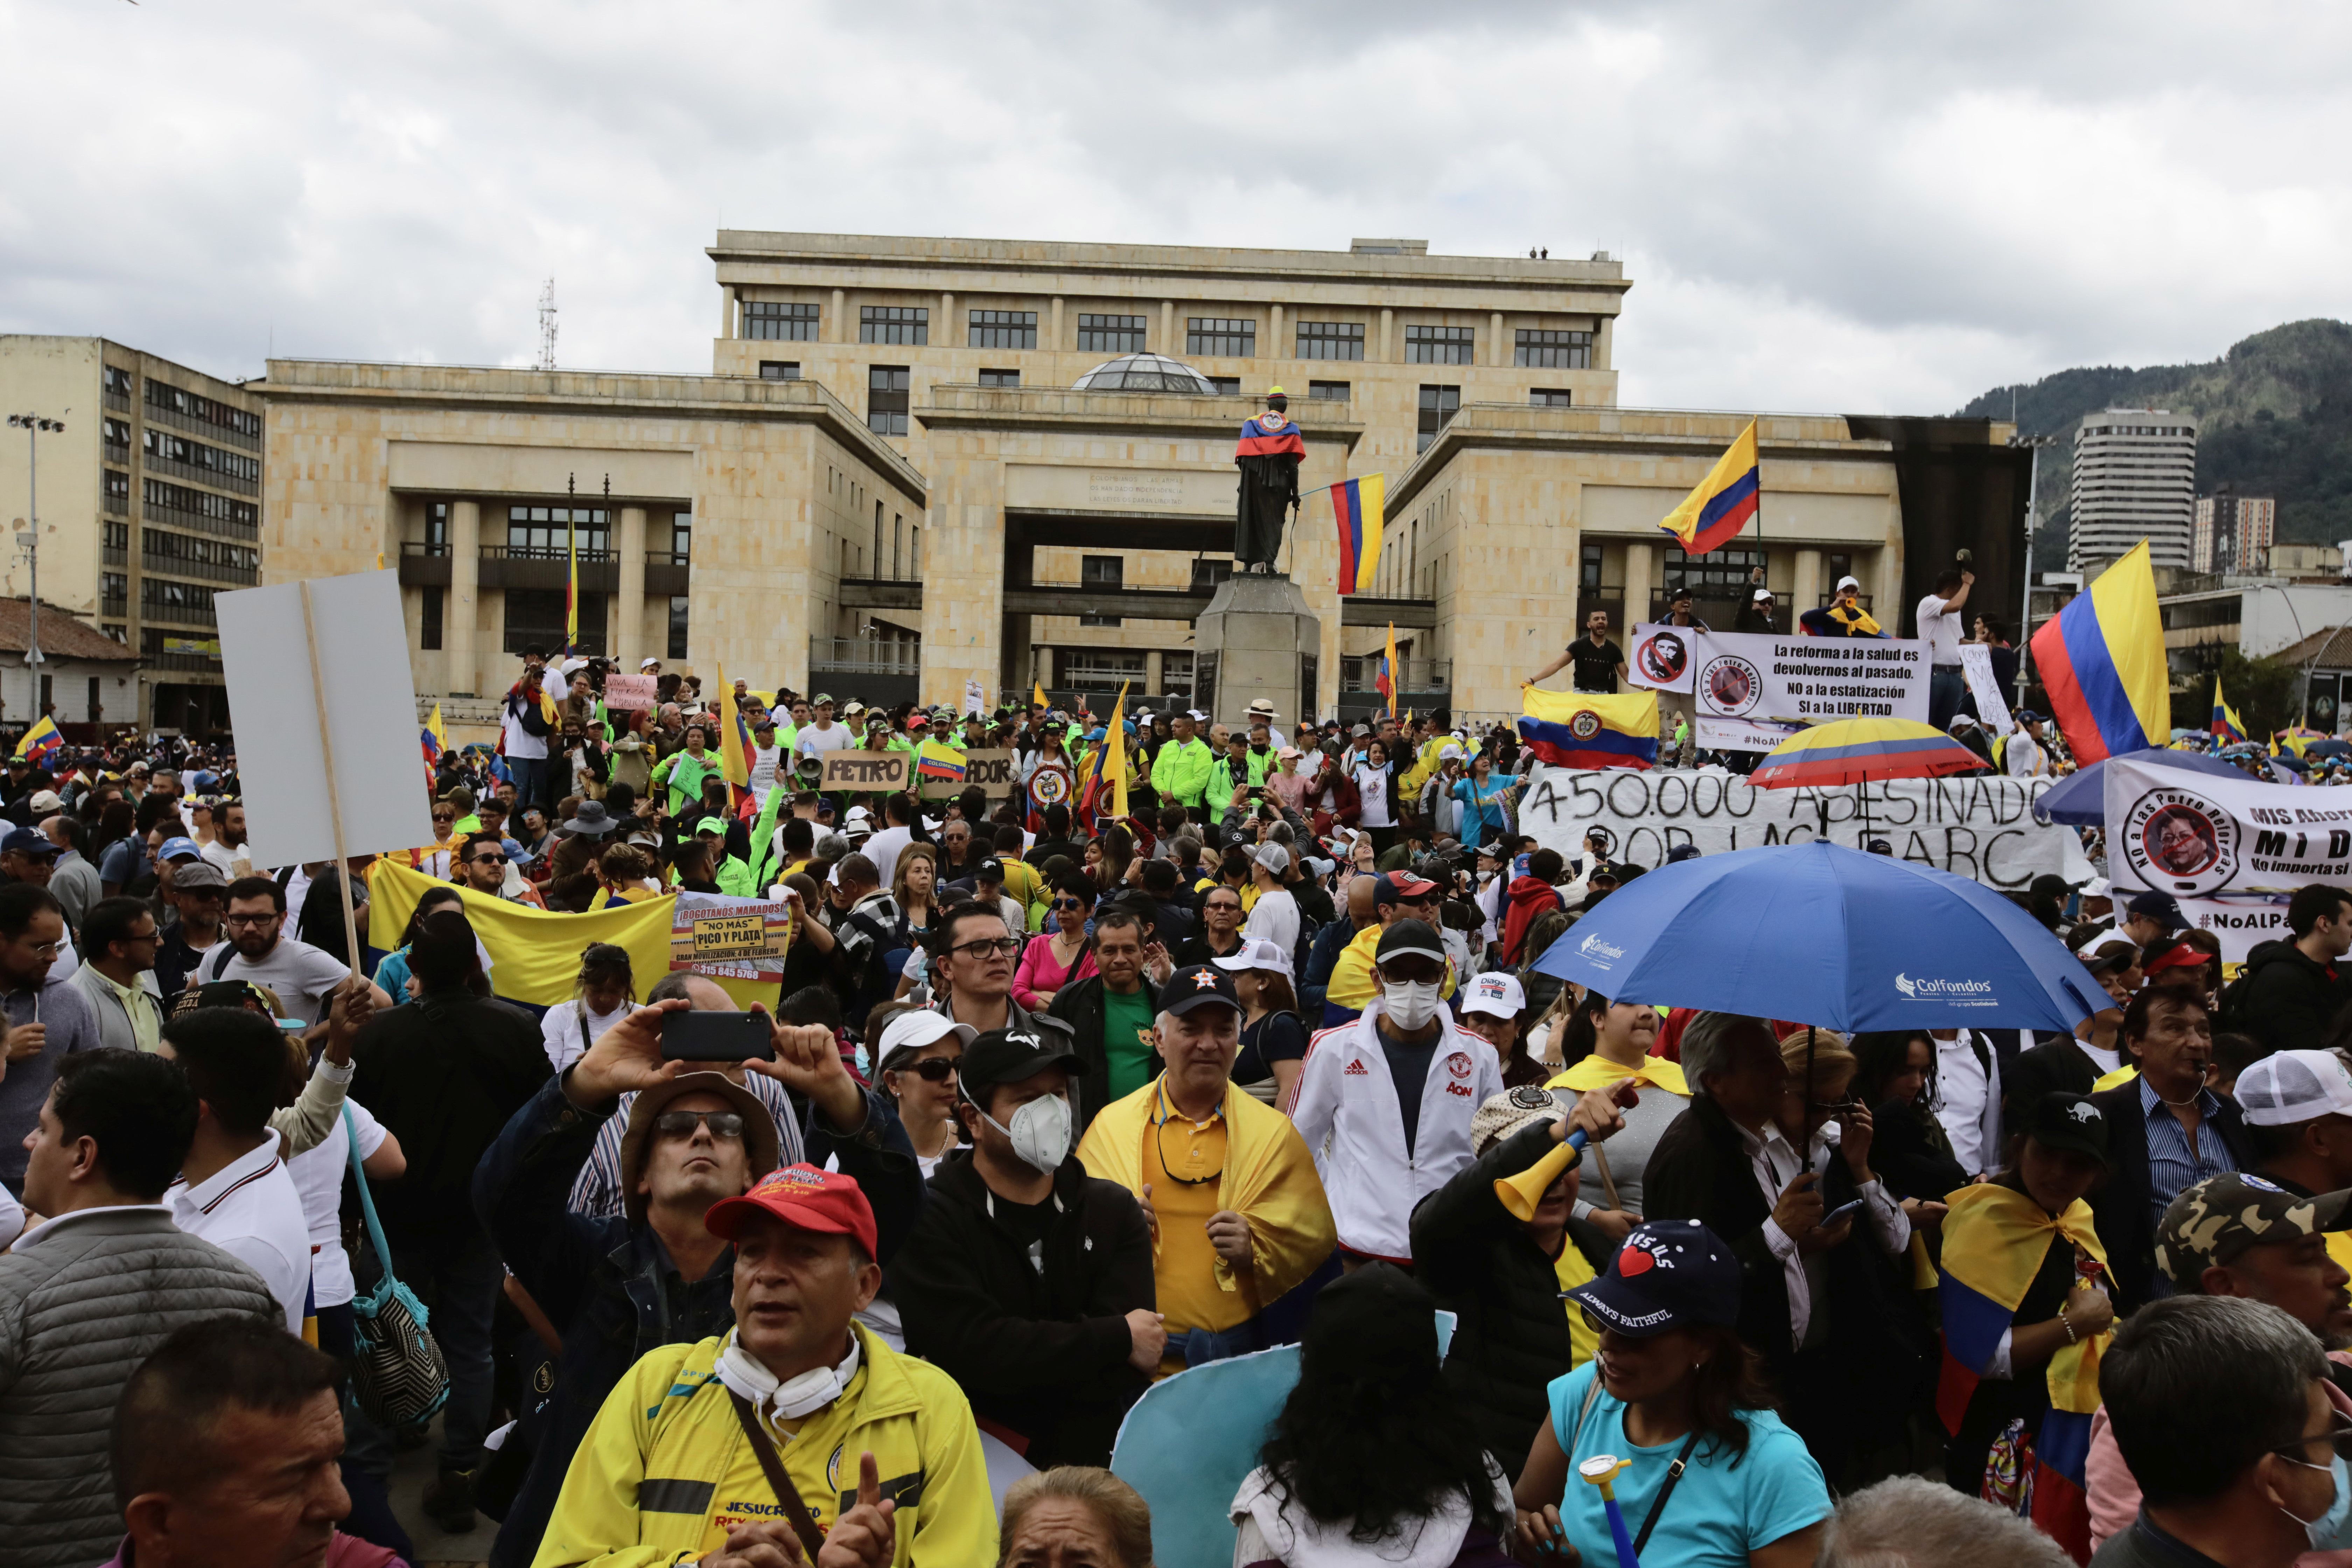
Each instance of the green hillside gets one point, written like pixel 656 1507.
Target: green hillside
pixel 2274 417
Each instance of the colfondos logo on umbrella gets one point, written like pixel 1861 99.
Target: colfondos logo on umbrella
pixel 1599 952
pixel 1961 993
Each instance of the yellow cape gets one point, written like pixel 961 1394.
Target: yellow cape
pixel 1269 1180
pixel 1597 1071
pixel 1994 1241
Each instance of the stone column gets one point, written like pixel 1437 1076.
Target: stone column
pixel 727 309
pixel 1154 668
pixel 628 637
pixel 1806 591
pixel 1638 585
pixel 1496 354
pixel 837 331
pixel 458 628
pixel 947 324
pixel 1168 344
pixel 1387 317
pixel 1273 334
pixel 1603 336
pixel 1054 330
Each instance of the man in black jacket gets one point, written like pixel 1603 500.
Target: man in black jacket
pixel 1028 1280
pixel 2166 1133
pixel 1111 1067
pixel 1502 1275
pixel 2071 1064
pixel 2292 990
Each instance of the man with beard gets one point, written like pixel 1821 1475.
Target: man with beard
pixel 302 977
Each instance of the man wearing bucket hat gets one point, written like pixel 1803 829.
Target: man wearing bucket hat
pixel 796 1427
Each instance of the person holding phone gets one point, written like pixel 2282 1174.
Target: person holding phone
pixel 1767 1153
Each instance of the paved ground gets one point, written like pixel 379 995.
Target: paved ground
pixel 412 1472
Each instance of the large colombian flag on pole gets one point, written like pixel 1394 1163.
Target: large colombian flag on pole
pixel 1583 729
pixel 1726 501
pixel 2101 660
pixel 1356 507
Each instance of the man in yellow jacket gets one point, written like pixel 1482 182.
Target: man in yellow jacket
pixel 878 1451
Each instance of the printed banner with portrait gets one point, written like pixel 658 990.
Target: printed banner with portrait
pixel 2198 837
pixel 1803 679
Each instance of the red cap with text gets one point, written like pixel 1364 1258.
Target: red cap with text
pixel 803 1197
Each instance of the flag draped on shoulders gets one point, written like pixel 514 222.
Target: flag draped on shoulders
pixel 2101 660
pixel 1270 436
pixel 1588 730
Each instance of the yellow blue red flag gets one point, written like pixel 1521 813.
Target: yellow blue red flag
pixel 2101 658
pixel 2227 726
pixel 1586 730
pixel 1357 506
pixel 40 739
pixel 1726 501
pixel 1385 680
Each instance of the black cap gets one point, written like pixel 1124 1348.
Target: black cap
pixel 1409 939
pixel 1669 1274
pixel 2161 908
pixel 1879 846
pixel 1198 986
pixel 2068 1121
pixel 1015 1055
pixel 991 869
pixel 2050 885
pixel 1682 852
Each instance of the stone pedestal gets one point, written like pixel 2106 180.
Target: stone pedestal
pixel 1256 639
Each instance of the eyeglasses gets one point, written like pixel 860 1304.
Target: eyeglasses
pixel 937 1070
pixel 48 950
pixel 988 947
pixel 682 1124
pixel 2338 1437
pixel 1221 907
pixel 249 922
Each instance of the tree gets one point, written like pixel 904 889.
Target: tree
pixel 2267 693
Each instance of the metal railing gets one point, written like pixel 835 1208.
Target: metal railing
pixel 172 517
pixel 865 656
pixel 1419 674
pixel 196 473
pixel 436 547
pixel 157 413
pixel 543 552
pixel 211 572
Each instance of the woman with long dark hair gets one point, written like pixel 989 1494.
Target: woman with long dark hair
pixel 1067 955
pixel 392 976
pixel 1895 1078
pixel 1375 777
pixel 1374 1457
pixel 1714 1478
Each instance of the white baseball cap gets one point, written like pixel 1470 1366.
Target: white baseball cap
pixel 1259 955
pixel 1273 857
pixel 1845 582
pixel 2288 1087
pixel 910 1031
pixel 1496 994
pixel 649 664
pixel 1763 593
pixel 2096 888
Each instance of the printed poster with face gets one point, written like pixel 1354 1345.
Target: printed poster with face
pixel 2198 837
pixel 1662 657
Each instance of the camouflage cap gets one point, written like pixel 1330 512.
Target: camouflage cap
pixel 2214 1221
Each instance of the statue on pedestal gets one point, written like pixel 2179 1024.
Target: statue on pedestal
pixel 1268 454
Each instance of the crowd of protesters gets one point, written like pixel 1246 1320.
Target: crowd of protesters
pixel 1051 1104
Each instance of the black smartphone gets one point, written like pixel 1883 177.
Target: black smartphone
pixel 717 1037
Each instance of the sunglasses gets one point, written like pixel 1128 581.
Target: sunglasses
pixel 682 1124
pixel 936 1069
pixel 1069 903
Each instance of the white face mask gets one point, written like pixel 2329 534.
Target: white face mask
pixel 1040 1132
pixel 743 1373
pixel 1410 1003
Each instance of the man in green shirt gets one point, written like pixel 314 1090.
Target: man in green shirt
pixel 1110 1013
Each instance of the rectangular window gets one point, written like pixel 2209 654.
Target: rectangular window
pixel 118 433
pixel 162 446
pixel 1440 345
pixel 894 324
pixel 681 537
pixel 1000 378
pixel 160 551
pixel 196 405
pixel 160 599
pixel 93 699
pixel 553 533
pixel 117 491
pixel 1552 350
pixel 1099 620
pixel 677 627
pixel 117 381
pixel 1221 337
pixel 114 592
pixel 1208 573
pixel 1002 329
pixel 428 631
pixel 1338 391
pixel 1110 334
pixel 1330 340
pixel 203 508
pixel 1226 385
pixel 773 320
pixel 1099 669
pixel 780 370
pixel 1438 404
pixel 1719 574
pixel 886 398
pixel 1103 571
pixel 436 528
pixel 1549 397
pixel 1176 674
pixel 1589 569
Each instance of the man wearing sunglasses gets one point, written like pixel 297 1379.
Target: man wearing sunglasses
pixel 482 866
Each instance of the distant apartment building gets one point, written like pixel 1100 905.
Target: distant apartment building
pixel 2135 478
pixel 149 503
pixel 2233 533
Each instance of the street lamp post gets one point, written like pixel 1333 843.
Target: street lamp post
pixel 35 425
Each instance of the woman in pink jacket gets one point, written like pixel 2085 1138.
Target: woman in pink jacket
pixel 1066 954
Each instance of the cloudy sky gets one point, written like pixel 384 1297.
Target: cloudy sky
pixel 1843 206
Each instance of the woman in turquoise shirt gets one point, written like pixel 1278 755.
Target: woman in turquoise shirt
pixel 392 974
pixel 1486 801
pixel 1671 1383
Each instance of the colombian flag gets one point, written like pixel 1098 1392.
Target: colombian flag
pixel 1105 794
pixel 1270 434
pixel 434 741
pixel 1356 506
pixel 734 738
pixel 1994 1242
pixel 1585 730
pixel 1385 681
pixel 935 762
pixel 2228 728
pixel 1726 501
pixel 40 739
pixel 2102 661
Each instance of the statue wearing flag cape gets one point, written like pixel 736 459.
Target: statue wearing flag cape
pixel 1268 454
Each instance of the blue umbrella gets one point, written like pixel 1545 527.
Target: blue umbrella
pixel 2082 800
pixel 1827 935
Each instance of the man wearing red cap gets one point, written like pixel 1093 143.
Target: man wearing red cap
pixel 796 1431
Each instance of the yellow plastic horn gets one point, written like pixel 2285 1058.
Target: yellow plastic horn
pixel 1519 1194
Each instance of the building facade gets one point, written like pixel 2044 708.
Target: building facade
pixel 2134 478
pixel 149 503
pixel 2234 532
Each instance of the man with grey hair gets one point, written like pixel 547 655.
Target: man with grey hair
pixel 1908 1522
pixel 2219 1406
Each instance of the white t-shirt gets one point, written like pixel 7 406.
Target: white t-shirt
pixel 884 850
pixel 568 1030
pixel 813 741
pixel 318 1177
pixel 1372 787
pixel 1275 919
pixel 301 975
pixel 250 1209
pixel 1942 630
pixel 521 743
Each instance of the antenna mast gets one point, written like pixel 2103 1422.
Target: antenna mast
pixel 547 326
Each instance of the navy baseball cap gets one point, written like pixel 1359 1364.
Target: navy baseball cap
pixel 1669 1274
pixel 27 841
pixel 2161 908
pixel 1202 985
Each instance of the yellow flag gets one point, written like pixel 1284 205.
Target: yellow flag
pixel 1037 695
pixel 1114 766
pixel 734 739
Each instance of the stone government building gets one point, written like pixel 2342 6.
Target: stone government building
pixel 922 461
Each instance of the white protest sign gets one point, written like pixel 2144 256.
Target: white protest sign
pixel 1981 828
pixel 2196 836
pixel 974 699
pixel 1976 665
pixel 630 693
pixel 364 697
pixel 2241 924
pixel 1757 676
pixel 1662 657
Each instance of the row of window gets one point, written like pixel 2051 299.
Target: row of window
pixel 547 531
pixel 161 599
pixel 181 551
pixel 204 503
pixel 170 448
pixel 117 381
pixel 1214 337
pixel 196 405
pixel 537 615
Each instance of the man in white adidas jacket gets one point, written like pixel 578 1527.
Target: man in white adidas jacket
pixel 1384 1101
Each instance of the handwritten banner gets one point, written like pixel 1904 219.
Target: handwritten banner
pixel 1981 828
pixel 992 771
pixel 864 772
pixel 630 693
